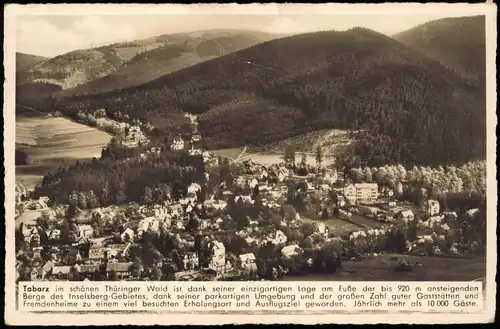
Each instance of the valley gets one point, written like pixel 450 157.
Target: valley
pixel 213 126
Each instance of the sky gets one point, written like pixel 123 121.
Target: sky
pixel 50 33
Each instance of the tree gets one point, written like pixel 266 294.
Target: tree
pixel 289 156
pixel 356 175
pixel 121 197
pixel 137 267
pixel 72 211
pixel 65 233
pixel 398 193
pixel 155 274
pixel 147 195
pixel 92 201
pixel 308 228
pixel 21 158
pixel 367 175
pixel 303 160
pixel 319 156
pixel 113 276
pixel 82 200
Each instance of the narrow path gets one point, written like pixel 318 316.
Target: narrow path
pixel 241 154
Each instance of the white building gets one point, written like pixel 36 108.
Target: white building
pixel 361 193
pixel 406 216
pixel 430 207
pixel 218 257
pixel 85 231
pixel 177 144
pixel 290 251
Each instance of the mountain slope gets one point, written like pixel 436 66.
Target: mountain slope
pixel 24 61
pixel 459 43
pixel 128 64
pixel 178 51
pixel 80 66
pixel 412 108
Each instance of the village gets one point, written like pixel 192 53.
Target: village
pixel 261 223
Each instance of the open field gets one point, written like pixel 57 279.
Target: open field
pixel 382 269
pixel 330 140
pixel 338 226
pixel 52 142
pixel 266 158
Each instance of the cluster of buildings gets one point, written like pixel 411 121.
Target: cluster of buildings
pixel 105 241
pixel 134 137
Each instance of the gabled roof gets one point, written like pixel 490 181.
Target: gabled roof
pixel 366 185
pixel 245 257
pixel 89 268
pixel 119 267
pixel 61 269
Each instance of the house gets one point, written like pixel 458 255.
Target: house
pixel 330 177
pixel 150 224
pixel 262 187
pixel 195 151
pixel 191 261
pixel 204 224
pixel 244 198
pixel 218 257
pixel 38 205
pixel 61 272
pixel 323 229
pixel 127 235
pixel 85 231
pixel 472 212
pixel 97 253
pixel 194 188
pixel 247 262
pixel 406 216
pixel 366 192
pixel 279 238
pixel 361 193
pixel 291 250
pixel 122 270
pixel 196 138
pixel 89 268
pixel 430 207
pixel 215 204
pixel 340 201
pixel 177 144
pixel 253 183
pixel 324 188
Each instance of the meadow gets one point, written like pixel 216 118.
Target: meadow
pixel 381 268
pixel 52 142
pixel 266 158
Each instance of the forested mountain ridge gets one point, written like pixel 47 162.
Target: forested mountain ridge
pixel 177 52
pixel 412 108
pixel 458 42
pixel 128 64
pixel 23 61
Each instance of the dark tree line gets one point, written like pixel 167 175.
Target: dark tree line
pixel 107 181
pixel 21 158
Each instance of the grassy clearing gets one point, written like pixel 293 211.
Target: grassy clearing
pixel 52 142
pixel 382 269
pixel 229 153
pixel 331 140
pixel 337 226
